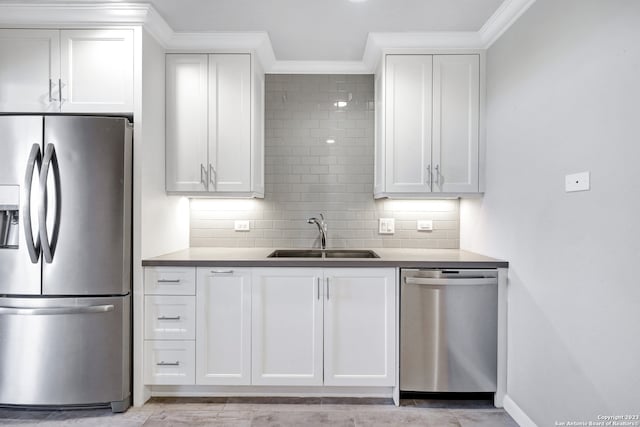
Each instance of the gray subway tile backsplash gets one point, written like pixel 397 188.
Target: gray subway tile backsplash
pixel 305 176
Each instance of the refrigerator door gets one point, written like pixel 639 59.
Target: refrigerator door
pixel 86 169
pixel 65 351
pixel 20 137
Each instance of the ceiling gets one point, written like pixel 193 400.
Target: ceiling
pixel 324 30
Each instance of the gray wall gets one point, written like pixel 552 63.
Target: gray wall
pixel 305 176
pixel 563 90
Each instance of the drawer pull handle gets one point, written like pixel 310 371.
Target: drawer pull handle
pixel 168 280
pixel 162 363
pixel 169 318
pixel 221 271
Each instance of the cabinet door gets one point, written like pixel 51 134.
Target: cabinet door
pixel 29 70
pixel 169 362
pixel 169 317
pixel 379 153
pixel 186 123
pixel 170 280
pixel 287 326
pixel 456 97
pixel 96 71
pixel 230 122
pixel 223 323
pixel 408 124
pixel 360 327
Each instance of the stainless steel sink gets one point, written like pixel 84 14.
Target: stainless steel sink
pixel 296 253
pixel 318 253
pixel 350 253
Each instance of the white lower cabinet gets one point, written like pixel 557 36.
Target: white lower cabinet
pixel 359 327
pixel 223 340
pixel 169 362
pixel 169 326
pixel 271 326
pixel 287 326
pixel 169 317
pixel 333 326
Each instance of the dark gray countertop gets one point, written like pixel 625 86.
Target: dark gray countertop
pixel 257 257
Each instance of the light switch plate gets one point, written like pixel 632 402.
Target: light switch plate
pixel 577 182
pixel 241 226
pixel 425 225
pixel 386 226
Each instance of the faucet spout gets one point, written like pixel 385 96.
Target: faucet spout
pixel 322 228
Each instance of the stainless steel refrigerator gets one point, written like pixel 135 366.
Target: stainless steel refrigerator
pixel 65 261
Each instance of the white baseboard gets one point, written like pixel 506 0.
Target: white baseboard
pixel 517 413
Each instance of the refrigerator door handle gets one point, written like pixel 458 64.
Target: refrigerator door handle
pixel 48 245
pixel 38 311
pixel 33 246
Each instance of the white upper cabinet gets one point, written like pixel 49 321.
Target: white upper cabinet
pixel 96 71
pixel 408 123
pixel 223 322
pixel 214 125
pixel 427 134
pixel 69 71
pixel 360 327
pixel 456 100
pixel 230 122
pixel 29 70
pixel 186 105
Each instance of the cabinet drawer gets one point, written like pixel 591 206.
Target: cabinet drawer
pixel 170 280
pixel 169 362
pixel 169 317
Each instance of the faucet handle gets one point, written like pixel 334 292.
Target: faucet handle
pixel 322 217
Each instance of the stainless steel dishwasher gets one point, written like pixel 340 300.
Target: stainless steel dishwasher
pixel 448 330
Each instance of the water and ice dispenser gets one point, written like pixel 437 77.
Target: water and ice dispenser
pixel 9 216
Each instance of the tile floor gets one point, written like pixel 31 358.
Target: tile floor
pixel 273 412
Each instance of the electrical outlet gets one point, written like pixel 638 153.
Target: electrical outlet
pixel 577 182
pixel 425 225
pixel 386 226
pixel 241 226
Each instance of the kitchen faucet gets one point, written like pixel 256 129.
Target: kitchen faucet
pixel 322 228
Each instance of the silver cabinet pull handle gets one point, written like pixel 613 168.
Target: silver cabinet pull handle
pixel 52 311
pixel 437 180
pixel 60 92
pixel 318 286
pixel 168 280
pixel 33 247
pixel 50 97
pixel 203 175
pixel 221 271
pixel 163 363
pixel 49 159
pixel 169 318
pixel 429 177
pixel 212 176
pixel 328 289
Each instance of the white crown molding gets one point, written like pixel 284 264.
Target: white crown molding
pixel 76 14
pixel 377 42
pixel 319 67
pixel 38 14
pixel 157 26
pixel 503 18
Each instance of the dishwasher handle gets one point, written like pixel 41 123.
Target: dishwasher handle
pixel 453 281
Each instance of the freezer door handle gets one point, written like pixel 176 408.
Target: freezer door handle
pixel 39 311
pixel 33 247
pixel 439 282
pixel 48 245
